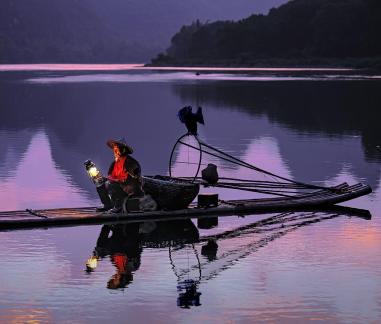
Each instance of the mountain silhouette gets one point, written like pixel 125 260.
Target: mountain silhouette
pixel 97 31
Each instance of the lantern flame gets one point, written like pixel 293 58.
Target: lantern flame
pixel 93 172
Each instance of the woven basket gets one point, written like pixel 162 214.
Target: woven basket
pixel 169 193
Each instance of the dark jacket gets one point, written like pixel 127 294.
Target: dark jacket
pixel 134 183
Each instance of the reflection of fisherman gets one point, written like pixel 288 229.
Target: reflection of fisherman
pixel 123 243
pixel 123 275
pixel 124 249
pixel 124 178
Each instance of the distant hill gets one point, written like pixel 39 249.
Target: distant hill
pixel 35 30
pixel 105 31
pixel 311 31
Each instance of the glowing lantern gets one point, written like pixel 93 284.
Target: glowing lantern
pixel 94 173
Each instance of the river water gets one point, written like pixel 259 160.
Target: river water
pixel 318 126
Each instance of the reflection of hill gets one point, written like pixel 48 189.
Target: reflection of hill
pixel 12 150
pixel 331 109
pixel 79 117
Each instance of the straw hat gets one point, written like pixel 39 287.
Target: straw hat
pixel 121 143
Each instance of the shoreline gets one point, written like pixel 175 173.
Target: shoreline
pixel 67 67
pixel 371 64
pixel 195 68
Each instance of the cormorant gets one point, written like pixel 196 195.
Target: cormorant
pixel 191 119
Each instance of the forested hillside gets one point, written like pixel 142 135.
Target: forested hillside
pixel 311 31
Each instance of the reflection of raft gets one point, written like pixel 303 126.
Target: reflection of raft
pixel 170 193
pixel 71 216
pixel 169 233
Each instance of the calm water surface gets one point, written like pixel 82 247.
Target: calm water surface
pixel 314 126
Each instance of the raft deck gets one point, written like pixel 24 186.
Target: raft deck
pixel 88 215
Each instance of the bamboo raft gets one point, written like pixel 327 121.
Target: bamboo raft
pixel 88 215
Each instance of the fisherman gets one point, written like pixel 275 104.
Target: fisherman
pixel 124 178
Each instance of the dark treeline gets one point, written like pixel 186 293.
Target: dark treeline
pixel 321 32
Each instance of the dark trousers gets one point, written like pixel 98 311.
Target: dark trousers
pixel 116 193
pixel 111 194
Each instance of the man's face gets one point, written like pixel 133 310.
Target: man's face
pixel 116 152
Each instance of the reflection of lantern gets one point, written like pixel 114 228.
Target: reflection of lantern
pixel 93 172
pixel 91 263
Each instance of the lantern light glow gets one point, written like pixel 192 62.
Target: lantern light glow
pixel 94 173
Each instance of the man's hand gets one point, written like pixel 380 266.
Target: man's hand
pixel 110 178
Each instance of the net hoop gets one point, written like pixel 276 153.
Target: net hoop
pixel 179 141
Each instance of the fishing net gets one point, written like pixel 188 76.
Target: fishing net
pixel 190 156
